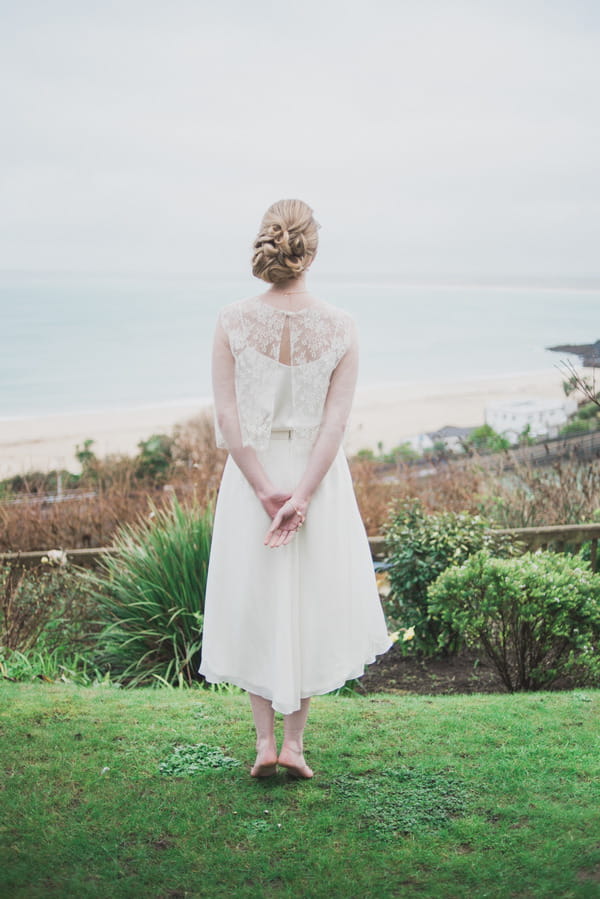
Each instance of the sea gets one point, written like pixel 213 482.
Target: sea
pixel 95 342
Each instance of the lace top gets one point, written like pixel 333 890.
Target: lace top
pixel 318 337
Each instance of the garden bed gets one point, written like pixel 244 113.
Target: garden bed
pixel 464 673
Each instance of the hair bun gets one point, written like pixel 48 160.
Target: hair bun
pixel 286 243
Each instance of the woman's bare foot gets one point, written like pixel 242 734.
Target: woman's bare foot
pixel 295 763
pixel 266 760
pixel 263 769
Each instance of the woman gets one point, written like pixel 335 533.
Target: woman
pixel 291 607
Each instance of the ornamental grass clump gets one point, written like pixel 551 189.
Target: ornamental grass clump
pixel 152 590
pixel 419 547
pixel 537 617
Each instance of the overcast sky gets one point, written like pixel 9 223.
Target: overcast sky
pixel 432 138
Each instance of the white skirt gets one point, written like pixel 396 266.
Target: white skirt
pixel 299 620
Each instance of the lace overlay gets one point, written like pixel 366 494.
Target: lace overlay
pixel 319 337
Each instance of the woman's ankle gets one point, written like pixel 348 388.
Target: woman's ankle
pixel 266 745
pixel 294 746
pixel 294 761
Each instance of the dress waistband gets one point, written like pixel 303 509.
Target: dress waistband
pixel 293 435
pixel 284 434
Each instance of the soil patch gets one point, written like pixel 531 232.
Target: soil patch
pixel 463 673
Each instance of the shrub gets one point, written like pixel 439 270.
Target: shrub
pixel 588 410
pixel 537 617
pixel 155 457
pixel 50 602
pixel 365 455
pixel 194 449
pixel 420 547
pixel 37 482
pixel 565 492
pixel 485 439
pixel 579 426
pixel 153 590
pixel 85 455
pixel 374 492
pixel 113 490
pixel 402 453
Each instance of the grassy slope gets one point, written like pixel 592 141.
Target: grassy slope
pixel 494 796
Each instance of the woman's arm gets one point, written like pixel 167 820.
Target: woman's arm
pixel 329 439
pixel 223 377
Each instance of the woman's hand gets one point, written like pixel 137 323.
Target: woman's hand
pixel 286 522
pixel 273 501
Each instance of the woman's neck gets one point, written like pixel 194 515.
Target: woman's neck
pixel 287 288
pixel 292 294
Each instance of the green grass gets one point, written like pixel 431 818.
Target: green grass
pixel 478 796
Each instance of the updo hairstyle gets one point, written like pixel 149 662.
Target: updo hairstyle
pixel 286 243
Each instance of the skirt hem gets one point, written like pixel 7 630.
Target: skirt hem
pixel 285 709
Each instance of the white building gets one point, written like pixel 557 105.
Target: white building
pixel 452 437
pixel 544 417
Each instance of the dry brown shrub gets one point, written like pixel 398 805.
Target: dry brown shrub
pixel 77 522
pixel 455 486
pixel 524 495
pixel 31 598
pixel 376 491
pixel 441 486
pixel 564 493
pixel 509 492
pixel 112 471
pixel 196 459
pixel 117 496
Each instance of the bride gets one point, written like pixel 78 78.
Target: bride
pixel 291 608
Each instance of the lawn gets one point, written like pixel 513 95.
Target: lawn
pixel 447 796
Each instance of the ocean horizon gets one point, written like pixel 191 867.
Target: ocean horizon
pixel 77 343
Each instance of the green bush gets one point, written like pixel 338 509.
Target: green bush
pixel 153 591
pixel 402 453
pixel 419 548
pixel 155 457
pixel 579 426
pixel 485 439
pixel 86 456
pixel 588 410
pixel 536 617
pixel 37 482
pixel 365 455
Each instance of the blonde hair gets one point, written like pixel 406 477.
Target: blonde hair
pixel 286 243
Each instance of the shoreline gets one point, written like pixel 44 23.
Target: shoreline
pixel 383 413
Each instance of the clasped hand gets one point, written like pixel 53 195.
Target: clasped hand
pixel 287 519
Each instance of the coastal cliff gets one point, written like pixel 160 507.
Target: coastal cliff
pixel 589 353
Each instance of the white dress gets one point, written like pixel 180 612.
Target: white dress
pixel 302 619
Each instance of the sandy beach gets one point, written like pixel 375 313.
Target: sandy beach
pixel 387 413
pixel 393 413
